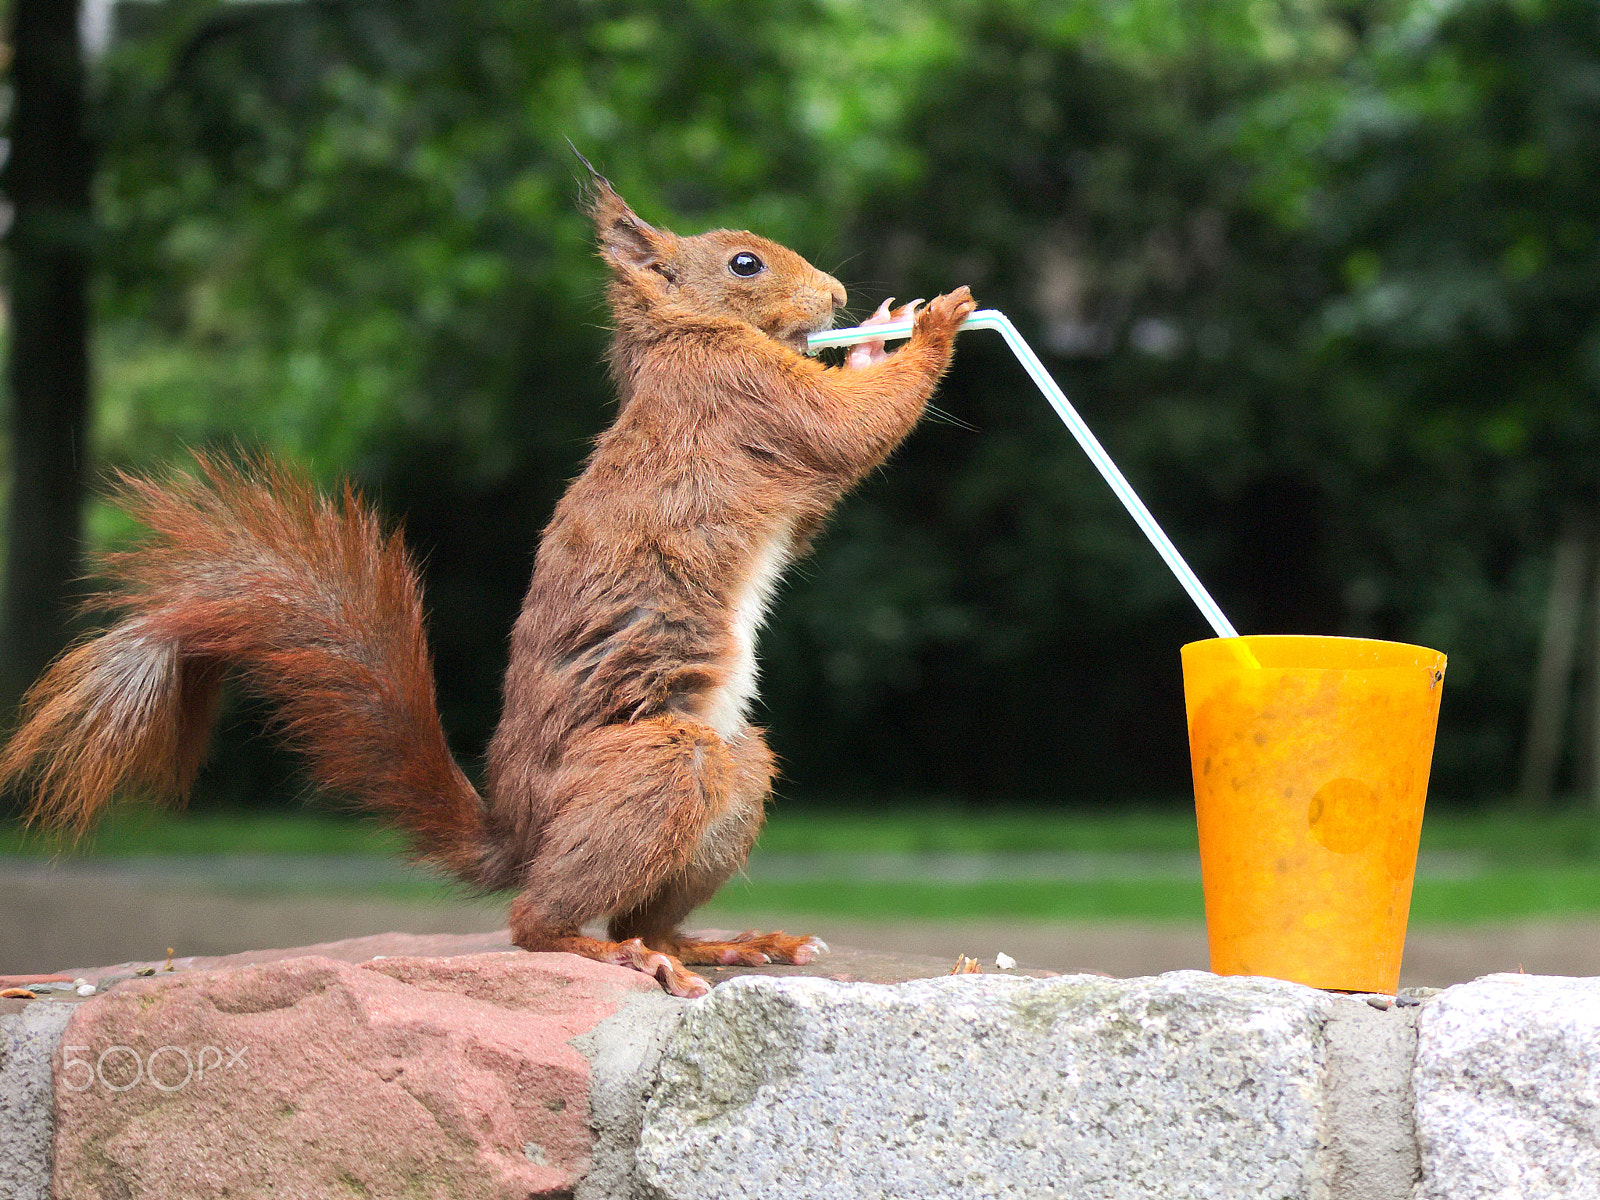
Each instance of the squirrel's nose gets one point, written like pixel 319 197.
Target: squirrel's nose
pixel 837 291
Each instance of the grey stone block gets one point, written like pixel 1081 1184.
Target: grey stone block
pixel 28 1041
pixel 1181 1086
pixel 1507 1085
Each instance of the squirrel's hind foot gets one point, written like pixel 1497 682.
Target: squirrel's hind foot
pixel 750 949
pixel 667 970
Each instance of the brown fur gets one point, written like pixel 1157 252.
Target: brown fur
pixel 622 780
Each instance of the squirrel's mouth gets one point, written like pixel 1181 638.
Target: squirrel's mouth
pixel 796 338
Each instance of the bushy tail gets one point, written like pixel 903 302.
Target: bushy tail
pixel 250 570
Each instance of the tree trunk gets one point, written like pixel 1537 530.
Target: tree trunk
pixel 1592 749
pixel 1552 681
pixel 47 180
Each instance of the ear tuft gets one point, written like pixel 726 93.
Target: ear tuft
pixel 595 186
pixel 626 241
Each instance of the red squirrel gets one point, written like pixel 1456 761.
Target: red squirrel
pixel 623 779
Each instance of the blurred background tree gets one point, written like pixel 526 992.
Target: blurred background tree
pixel 48 174
pixel 1323 275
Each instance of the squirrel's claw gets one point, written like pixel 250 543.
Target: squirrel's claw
pixel 808 950
pixel 944 314
pixel 668 971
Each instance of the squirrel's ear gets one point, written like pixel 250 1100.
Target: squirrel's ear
pixel 627 242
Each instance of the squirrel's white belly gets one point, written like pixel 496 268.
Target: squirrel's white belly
pixel 730 704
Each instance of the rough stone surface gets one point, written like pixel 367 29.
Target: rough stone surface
pixel 28 1040
pixel 842 963
pixel 311 1077
pixel 367 1069
pixel 1507 1087
pixel 1180 1086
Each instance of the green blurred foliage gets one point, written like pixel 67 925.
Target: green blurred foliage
pixel 1321 273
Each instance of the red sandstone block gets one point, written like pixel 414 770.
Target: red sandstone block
pixel 310 1077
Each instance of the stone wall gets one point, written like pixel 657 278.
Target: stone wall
pixel 499 1074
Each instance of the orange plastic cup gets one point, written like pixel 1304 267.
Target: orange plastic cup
pixel 1311 759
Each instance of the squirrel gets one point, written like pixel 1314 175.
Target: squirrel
pixel 623 780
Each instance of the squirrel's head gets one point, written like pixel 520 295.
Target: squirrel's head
pixel 722 273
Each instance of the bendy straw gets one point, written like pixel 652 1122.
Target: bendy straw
pixel 991 318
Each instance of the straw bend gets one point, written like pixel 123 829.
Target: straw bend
pixel 993 318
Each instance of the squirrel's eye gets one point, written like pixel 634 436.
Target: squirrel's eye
pixel 746 264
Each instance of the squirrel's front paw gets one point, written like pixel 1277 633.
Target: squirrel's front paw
pixel 865 354
pixel 944 314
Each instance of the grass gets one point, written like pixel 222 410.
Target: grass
pixel 1508 894
pixel 133 831
pixel 1523 866
pixel 1568 836
pixel 1495 895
